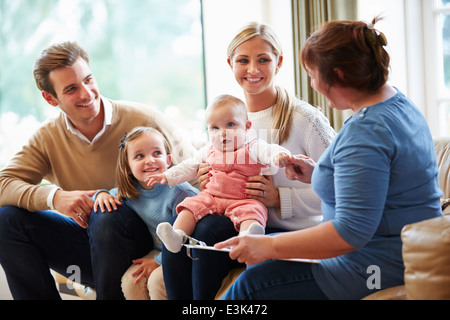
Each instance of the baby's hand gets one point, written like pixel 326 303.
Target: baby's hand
pixel 157 178
pixel 106 201
pixel 282 159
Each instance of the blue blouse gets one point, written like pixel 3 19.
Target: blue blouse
pixel 378 175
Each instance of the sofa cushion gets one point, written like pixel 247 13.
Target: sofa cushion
pixel 426 247
pixel 442 147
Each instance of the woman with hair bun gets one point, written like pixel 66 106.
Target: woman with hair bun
pixel 378 175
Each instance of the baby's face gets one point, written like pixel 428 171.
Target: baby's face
pixel 227 127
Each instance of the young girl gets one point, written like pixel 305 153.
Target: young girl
pixel 233 157
pixel 144 152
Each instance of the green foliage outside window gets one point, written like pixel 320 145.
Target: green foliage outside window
pixel 149 51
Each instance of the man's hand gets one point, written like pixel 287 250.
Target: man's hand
pixel 75 204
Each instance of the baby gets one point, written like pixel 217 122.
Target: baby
pixel 232 157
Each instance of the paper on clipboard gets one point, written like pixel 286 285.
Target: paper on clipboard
pixel 191 246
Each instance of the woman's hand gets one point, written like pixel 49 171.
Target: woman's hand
pixel 106 201
pixel 262 188
pixel 147 266
pixel 249 249
pixel 300 168
pixel 203 175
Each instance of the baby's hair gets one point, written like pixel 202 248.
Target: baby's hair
pixel 225 99
pixel 126 182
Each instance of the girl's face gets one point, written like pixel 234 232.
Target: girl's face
pixel 227 127
pixel 255 65
pixel 147 156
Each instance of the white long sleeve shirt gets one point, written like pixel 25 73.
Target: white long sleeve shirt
pixel 310 135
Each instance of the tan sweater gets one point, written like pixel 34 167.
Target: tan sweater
pixel 55 154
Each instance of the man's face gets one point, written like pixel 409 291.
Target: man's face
pixel 77 93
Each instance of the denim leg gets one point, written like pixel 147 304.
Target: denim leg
pixel 116 238
pixel 276 280
pixel 188 279
pixel 211 267
pixel 177 273
pixel 33 242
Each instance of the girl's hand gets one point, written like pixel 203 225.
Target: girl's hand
pixel 203 175
pixel 262 188
pixel 106 201
pixel 157 178
pixel 147 266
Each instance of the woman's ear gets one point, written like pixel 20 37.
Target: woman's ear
pixel 339 73
pixel 230 63
pixel 280 63
pixel 169 160
pixel 50 98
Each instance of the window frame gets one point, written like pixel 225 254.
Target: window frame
pixel 436 98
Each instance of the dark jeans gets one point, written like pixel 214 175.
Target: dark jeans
pixel 200 279
pixel 276 280
pixel 33 242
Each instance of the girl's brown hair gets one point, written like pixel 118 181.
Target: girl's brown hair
pixel 126 182
pixel 354 48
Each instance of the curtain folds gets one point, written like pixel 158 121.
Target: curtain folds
pixel 307 15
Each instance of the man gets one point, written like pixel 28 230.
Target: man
pixel 76 152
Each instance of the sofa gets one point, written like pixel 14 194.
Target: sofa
pixel 426 255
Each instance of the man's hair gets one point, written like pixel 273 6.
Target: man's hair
pixel 60 55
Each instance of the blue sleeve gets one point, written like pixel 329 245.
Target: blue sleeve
pixel 182 194
pixel 361 178
pixel 112 192
pixel 158 258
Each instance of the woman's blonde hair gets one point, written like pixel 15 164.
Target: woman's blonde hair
pixel 126 182
pixel 283 108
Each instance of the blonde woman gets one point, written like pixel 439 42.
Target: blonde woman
pixel 255 57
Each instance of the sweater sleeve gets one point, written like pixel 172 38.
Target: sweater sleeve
pixel 362 168
pixel 316 135
pixel 265 153
pixel 23 176
pixel 187 170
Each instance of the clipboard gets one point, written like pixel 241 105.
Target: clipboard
pixel 205 247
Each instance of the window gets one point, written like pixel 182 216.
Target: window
pixel 437 37
pixel 223 18
pixel 145 51
pixel 443 48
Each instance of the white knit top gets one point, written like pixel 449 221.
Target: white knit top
pixel 310 135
